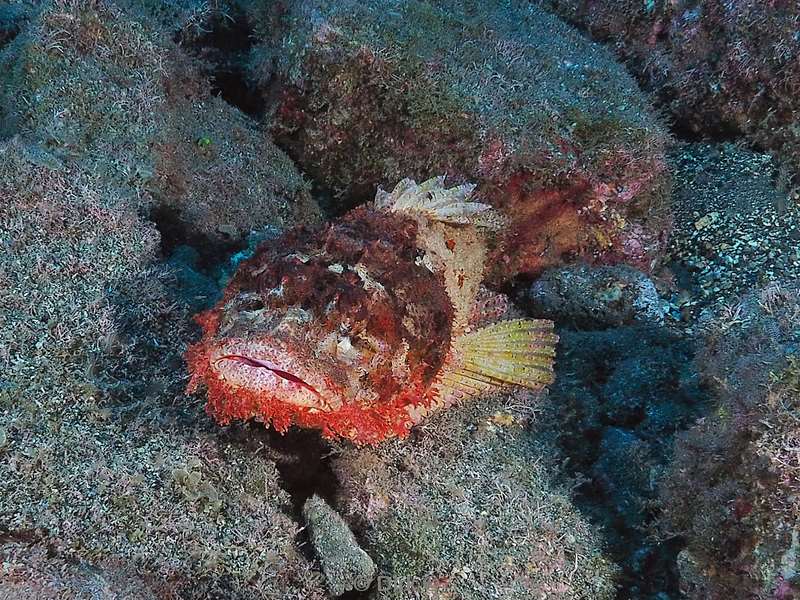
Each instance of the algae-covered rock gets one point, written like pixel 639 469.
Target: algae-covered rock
pixel 28 573
pixel 720 68
pixel 465 509
pixel 98 460
pixel 346 566
pixel 619 396
pixel 500 93
pixel 732 490
pixel 596 297
pixel 104 459
pixel 104 85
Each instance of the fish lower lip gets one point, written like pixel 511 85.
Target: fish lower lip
pixel 265 364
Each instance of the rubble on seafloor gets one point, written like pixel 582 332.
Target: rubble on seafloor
pixel 734 228
pixel 345 564
pixel 628 380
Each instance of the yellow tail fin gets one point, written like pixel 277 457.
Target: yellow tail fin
pixel 506 354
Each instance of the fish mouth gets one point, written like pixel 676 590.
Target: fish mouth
pixel 273 371
pixel 258 363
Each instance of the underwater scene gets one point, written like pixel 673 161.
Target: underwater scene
pixel 399 299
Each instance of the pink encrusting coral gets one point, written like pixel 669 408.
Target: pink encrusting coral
pixel 500 93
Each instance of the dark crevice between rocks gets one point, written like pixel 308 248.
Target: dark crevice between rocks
pixel 224 49
pixel 691 131
pixel 684 131
pixel 620 396
pixel 176 233
pixel 303 459
pixel 331 206
pixel 11 21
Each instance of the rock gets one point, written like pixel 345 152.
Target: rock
pixel 105 456
pixel 623 472
pixel 719 68
pixel 498 93
pixel 106 86
pixel 619 396
pixel 466 508
pixel 346 566
pixel 733 485
pixel 596 297
pixel 28 572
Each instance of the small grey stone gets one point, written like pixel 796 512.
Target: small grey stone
pixel 345 564
pixel 596 297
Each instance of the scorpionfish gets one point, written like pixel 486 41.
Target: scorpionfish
pixel 364 327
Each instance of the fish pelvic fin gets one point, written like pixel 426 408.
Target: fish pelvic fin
pixel 514 353
pixel 439 203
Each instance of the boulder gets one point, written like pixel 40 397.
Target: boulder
pixel 596 297
pixel 104 85
pixel 502 94
pixel 467 508
pixel 732 490
pixel 720 68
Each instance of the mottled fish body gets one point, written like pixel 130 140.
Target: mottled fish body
pixel 363 328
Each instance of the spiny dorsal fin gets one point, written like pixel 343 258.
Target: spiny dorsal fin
pixel 520 353
pixel 436 202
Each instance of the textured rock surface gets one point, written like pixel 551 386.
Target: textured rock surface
pixel 732 490
pixel 28 573
pixel 500 93
pixel 97 460
pixel 597 297
pixel 102 457
pixel 620 394
pixel 720 67
pixel 102 85
pixel 346 566
pixel 464 509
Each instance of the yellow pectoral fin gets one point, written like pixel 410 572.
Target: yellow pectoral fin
pixel 506 354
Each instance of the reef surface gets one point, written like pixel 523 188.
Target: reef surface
pixel 645 157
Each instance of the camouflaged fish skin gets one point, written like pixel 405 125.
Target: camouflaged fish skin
pixel 363 327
